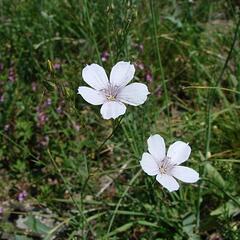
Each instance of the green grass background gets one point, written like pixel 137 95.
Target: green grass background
pixel 195 95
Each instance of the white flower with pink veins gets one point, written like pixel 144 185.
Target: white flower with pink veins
pixel 112 94
pixel 166 166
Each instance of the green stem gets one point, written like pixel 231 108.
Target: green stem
pixel 210 100
pixel 92 31
pixel 223 191
pixel 166 95
pixel 120 200
pixel 111 134
pixel 80 210
pixel 212 92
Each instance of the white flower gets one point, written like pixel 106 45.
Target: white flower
pixel 113 93
pixel 166 167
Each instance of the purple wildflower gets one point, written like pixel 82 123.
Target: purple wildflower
pixel 149 77
pixel 139 65
pixel 42 118
pixel 105 56
pixel 57 66
pixel 11 74
pixel 22 195
pixel 59 109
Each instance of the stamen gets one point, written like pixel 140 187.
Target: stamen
pixel 165 165
pixel 110 97
pixel 111 92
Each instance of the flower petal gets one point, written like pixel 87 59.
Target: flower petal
pixel 95 76
pixel 156 146
pixel 179 152
pixel 134 94
pixel 168 182
pixel 112 109
pixel 121 74
pixel 185 174
pixel 92 96
pixel 149 165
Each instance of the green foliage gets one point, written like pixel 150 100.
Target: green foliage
pixel 50 137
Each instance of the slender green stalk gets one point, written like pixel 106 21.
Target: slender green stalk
pixel 63 179
pixel 217 88
pixel 97 154
pixel 162 73
pixel 120 200
pixel 212 92
pixel 210 100
pixel 223 191
pixel 109 33
pixel 93 38
pixel 115 128
pixel 79 208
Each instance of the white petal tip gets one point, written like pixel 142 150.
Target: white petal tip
pixel 173 190
pixel 112 109
pixel 79 90
pixel 197 178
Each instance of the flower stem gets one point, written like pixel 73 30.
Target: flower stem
pixel 116 125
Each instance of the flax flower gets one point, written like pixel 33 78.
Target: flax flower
pixel 166 166
pixel 114 93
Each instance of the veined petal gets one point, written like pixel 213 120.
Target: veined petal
pixel 168 182
pixel 95 76
pixel 179 152
pixel 185 174
pixel 156 146
pixel 149 165
pixel 121 74
pixel 112 109
pixel 134 94
pixel 91 96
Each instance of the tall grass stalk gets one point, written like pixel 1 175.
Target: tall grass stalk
pixel 66 185
pixel 210 101
pixel 162 73
pixel 92 31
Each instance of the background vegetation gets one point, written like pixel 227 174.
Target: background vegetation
pixel 57 180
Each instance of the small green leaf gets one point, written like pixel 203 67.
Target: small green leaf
pixel 228 208
pixel 123 228
pixel 213 174
pixel 36 226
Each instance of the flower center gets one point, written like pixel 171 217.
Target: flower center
pixel 165 166
pixel 110 97
pixel 111 92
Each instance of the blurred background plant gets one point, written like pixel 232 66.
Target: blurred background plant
pixel 179 49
